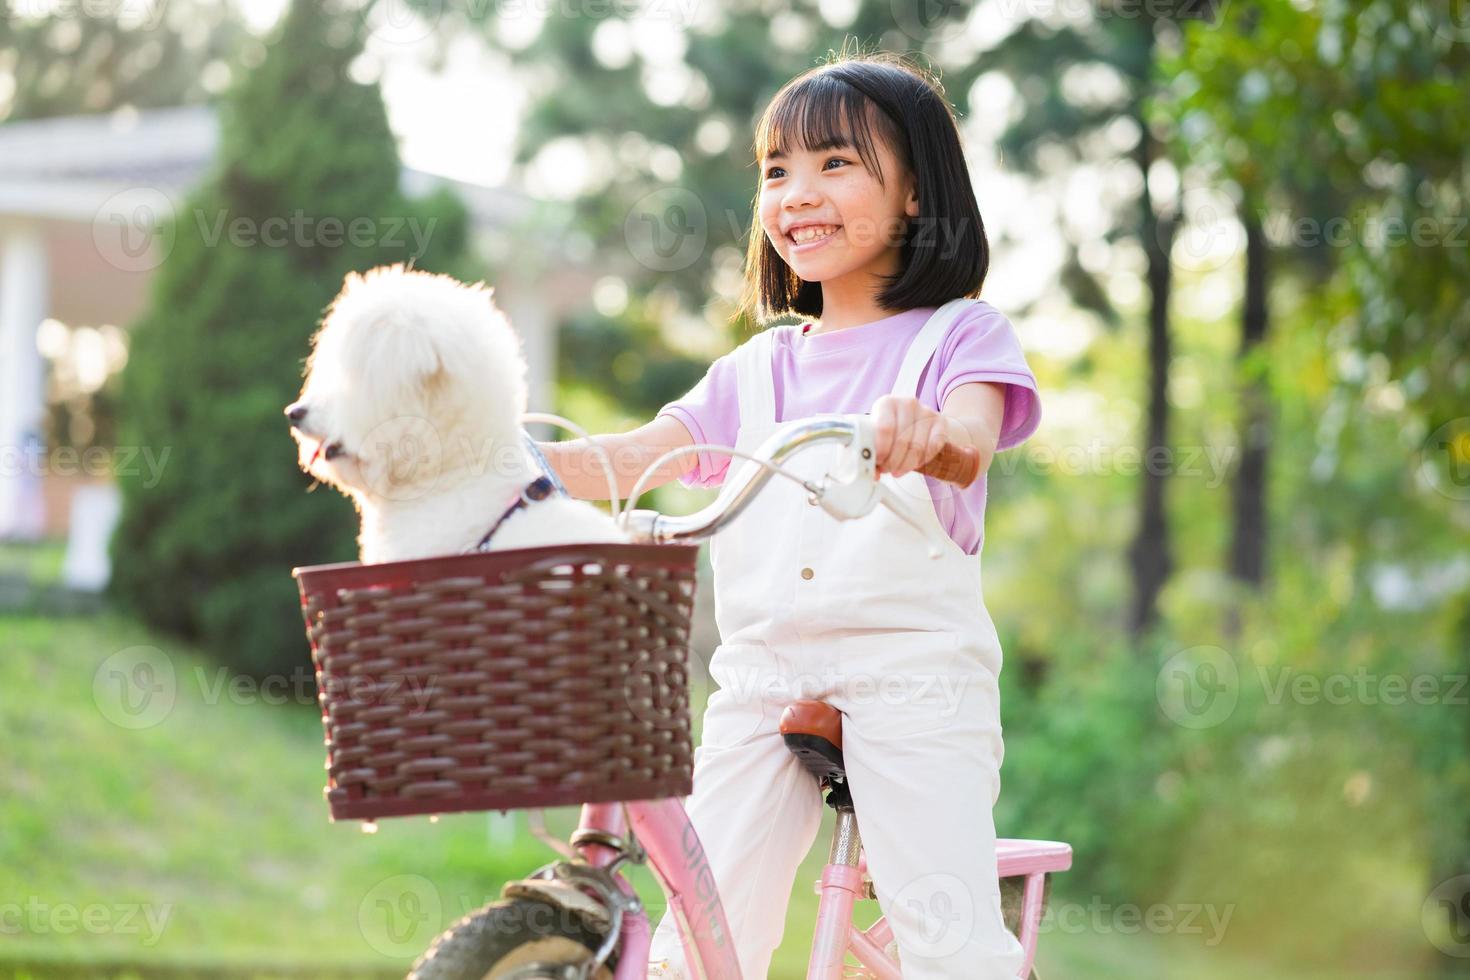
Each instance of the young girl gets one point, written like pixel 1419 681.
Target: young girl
pixel 868 227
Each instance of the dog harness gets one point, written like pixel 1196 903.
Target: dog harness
pixel 538 489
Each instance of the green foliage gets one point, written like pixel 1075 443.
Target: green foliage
pixel 255 258
pixel 1349 117
pixel 95 58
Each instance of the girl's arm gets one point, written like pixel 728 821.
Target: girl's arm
pixel 581 471
pixel 974 413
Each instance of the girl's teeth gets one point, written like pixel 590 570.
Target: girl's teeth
pixel 803 235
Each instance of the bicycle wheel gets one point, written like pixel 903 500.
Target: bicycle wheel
pixel 508 936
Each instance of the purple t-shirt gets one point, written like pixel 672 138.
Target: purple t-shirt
pixel 848 370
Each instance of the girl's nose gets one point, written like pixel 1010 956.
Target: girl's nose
pixel 799 192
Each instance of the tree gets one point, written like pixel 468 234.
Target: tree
pixel 304 190
pixel 77 61
pixel 1119 43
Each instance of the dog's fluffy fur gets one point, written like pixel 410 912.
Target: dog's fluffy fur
pixel 414 392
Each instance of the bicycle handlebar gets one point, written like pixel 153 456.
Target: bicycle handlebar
pixel 850 489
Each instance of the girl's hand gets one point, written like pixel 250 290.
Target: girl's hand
pixel 907 434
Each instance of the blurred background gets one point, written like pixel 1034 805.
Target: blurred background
pixel 1231 571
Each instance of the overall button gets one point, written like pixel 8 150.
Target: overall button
pixel 807 573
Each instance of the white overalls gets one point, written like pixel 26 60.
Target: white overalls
pixel 857 614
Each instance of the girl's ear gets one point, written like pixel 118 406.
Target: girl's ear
pixel 911 206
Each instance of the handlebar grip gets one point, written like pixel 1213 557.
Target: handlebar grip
pixel 954 464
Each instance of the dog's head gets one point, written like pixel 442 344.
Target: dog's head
pixel 411 377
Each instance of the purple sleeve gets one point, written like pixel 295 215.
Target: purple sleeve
pixel 983 346
pixel 711 413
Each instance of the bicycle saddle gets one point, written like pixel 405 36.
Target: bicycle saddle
pixel 812 731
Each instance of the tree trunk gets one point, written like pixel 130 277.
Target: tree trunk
pixel 1248 539
pixel 1150 554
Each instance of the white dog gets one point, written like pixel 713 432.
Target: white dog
pixel 412 404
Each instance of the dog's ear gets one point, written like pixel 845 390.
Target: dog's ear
pixel 422 357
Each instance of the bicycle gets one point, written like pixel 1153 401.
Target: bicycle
pixel 578 918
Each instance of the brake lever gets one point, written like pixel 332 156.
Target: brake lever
pixel 852 488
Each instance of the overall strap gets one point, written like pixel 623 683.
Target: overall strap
pixel 756 384
pixel 925 343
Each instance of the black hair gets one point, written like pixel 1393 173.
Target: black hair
pixel 856 99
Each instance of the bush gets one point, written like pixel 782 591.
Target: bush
pixel 257 254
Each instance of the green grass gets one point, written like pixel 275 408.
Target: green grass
pixel 211 821
pixel 39 562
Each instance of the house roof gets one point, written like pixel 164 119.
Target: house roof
pixel 67 167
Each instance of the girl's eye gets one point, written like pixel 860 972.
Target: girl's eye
pixel 773 172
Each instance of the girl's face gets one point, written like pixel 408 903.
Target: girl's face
pixel 829 217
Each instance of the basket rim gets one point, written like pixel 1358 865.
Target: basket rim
pixel 674 553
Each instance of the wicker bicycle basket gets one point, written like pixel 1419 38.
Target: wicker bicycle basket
pixel 523 678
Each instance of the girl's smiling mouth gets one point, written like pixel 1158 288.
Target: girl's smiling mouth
pixel 808 238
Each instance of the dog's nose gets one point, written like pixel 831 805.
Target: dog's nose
pixel 296 412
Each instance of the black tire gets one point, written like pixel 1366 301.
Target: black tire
pixel 487 944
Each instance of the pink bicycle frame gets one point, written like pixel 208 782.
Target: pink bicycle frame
pixel 678 861
pixel 677 858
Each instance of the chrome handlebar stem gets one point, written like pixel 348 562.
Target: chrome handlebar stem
pixel 850 489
